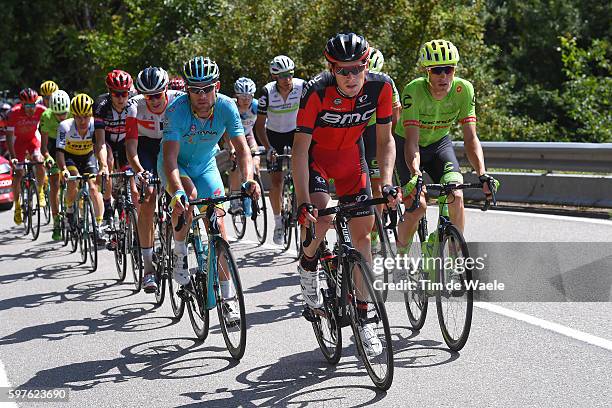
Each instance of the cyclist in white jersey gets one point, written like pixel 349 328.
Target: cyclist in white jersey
pixel 275 126
pixel 144 131
pixel 244 90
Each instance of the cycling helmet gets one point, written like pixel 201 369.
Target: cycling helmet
pixel 347 47
pixel 152 80
pixel 280 64
pixel 28 95
pixel 177 83
pixel 118 80
pixel 245 86
pixel 5 107
pixel 82 105
pixel 376 61
pixel 438 52
pixel 59 102
pixel 48 87
pixel 200 70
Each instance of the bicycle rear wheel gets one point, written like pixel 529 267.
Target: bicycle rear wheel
pixel 377 359
pixel 286 213
pixel 133 246
pixel 234 332
pixel 239 222
pixel 261 220
pixel 327 328
pixel 455 301
pixel 196 303
pixel 90 232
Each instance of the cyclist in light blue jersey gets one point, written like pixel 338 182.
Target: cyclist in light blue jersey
pixel 193 125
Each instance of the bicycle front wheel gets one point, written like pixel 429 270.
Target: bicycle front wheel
pixel 287 213
pixel 327 328
pixel 25 206
pixel 233 322
pixel 415 297
pixel 63 221
pixel 34 212
pixel 370 324
pixel 455 301
pixel 133 245
pixel 47 208
pixel 176 301
pixel 158 256
pixel 196 303
pixel 261 220
pixel 90 232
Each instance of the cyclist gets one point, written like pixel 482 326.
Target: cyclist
pixel 110 112
pixel 75 155
pixel 23 141
pixel 144 132
pixel 176 84
pixel 46 89
pixel 59 105
pixel 431 105
pixel 275 126
pixel 193 126
pixel 244 89
pixel 334 110
pixel 369 137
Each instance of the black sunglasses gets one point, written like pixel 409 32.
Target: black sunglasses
pixel 439 70
pixel 353 69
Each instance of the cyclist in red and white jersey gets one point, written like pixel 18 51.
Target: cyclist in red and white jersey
pixel 23 141
pixel 334 110
pixel 144 131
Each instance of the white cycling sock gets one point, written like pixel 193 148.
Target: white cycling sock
pixel 147 258
pixel 278 221
pixel 180 247
pixel 227 289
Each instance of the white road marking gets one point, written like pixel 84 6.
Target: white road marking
pixel 4 382
pixel 545 324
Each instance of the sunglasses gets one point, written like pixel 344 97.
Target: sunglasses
pixel 439 70
pixel 353 69
pixel 120 94
pixel 154 96
pixel 285 75
pixel 202 90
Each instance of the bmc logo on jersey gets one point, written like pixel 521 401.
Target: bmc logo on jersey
pixel 347 119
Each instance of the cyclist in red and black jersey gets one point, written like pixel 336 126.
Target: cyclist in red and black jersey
pixel 334 110
pixel 110 113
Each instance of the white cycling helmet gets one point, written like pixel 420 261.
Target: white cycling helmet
pixel 245 86
pixel 59 103
pixel 152 80
pixel 281 64
pixel 376 61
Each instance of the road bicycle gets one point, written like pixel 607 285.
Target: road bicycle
pixel 30 205
pixel 84 231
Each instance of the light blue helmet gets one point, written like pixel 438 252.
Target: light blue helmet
pixel 245 86
pixel 201 70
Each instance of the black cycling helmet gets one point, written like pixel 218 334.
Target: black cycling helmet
pixel 347 47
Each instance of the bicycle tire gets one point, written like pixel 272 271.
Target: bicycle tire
pixel 65 231
pixel 416 299
pixel 261 231
pixel 454 342
pixel 327 327
pixel 135 252
pixel 237 347
pixel 158 254
pixel 196 306
pixel 34 210
pixel 90 233
pixel 239 222
pixel 384 252
pixel 80 222
pixel 385 380
pixel 74 235
pixel 176 301
pixel 286 213
pixel 47 208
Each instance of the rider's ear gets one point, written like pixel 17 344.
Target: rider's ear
pixel 218 85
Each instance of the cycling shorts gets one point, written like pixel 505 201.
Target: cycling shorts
pixel 148 150
pixel 86 164
pixel 117 150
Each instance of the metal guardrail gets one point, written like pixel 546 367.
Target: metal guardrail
pixel 559 156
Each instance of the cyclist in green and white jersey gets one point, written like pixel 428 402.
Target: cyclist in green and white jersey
pixel 276 121
pixel 431 105
pixel 59 105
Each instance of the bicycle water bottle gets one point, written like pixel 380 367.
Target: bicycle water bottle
pixel 429 249
pixel 246 206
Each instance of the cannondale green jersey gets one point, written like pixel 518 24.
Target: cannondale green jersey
pixel 433 117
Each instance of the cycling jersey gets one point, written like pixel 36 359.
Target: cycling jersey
pixel 140 121
pixel 336 124
pixel 49 123
pixel 107 118
pixel 69 141
pixel 249 117
pixel 198 140
pixel 280 113
pixel 25 130
pixel 396 103
pixel 435 117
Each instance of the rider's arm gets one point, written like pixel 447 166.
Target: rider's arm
pixel 385 152
pixel 61 161
pixel 411 150
pixel 44 139
pixel 131 140
pixel 10 142
pixel 100 148
pixel 473 148
pixel 299 166
pixel 171 151
pixel 243 155
pixel 260 131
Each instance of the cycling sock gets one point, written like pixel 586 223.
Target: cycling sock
pixel 227 289
pixel 180 247
pixel 362 309
pixel 278 221
pixel 309 264
pixel 147 258
pixel 98 220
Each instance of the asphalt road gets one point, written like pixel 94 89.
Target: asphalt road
pixel 63 326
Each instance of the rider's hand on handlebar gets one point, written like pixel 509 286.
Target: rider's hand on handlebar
pixel 65 174
pixel 271 155
pixel 14 162
pixel 487 181
pixel 252 189
pixel 177 204
pixel 306 212
pixel 392 194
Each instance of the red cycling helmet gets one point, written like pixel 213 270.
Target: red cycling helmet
pixel 177 83
pixel 28 95
pixel 118 80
